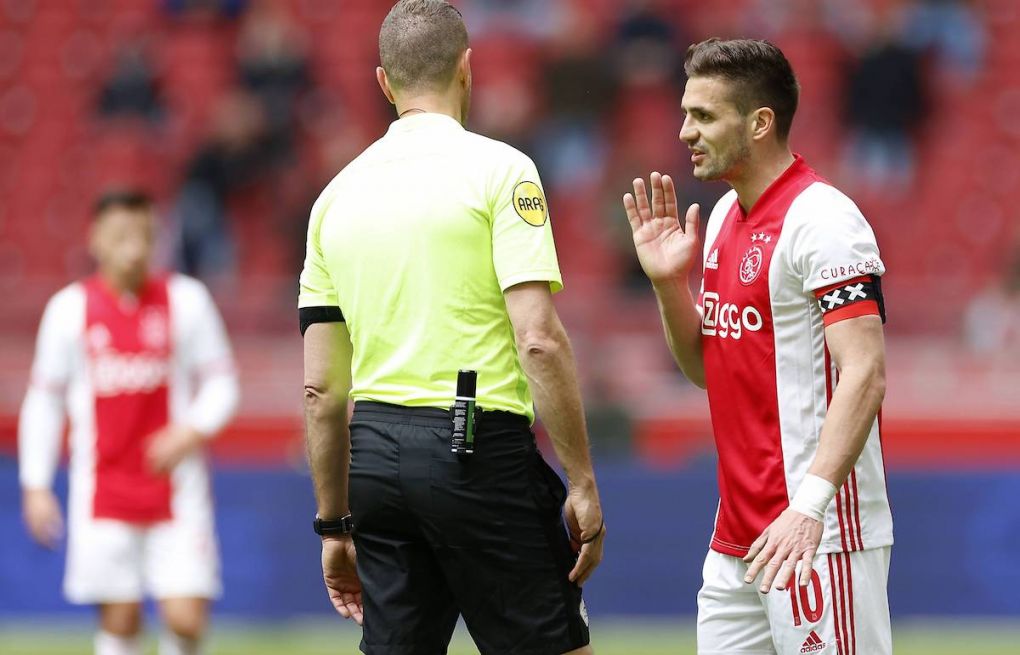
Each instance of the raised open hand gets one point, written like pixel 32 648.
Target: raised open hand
pixel 665 248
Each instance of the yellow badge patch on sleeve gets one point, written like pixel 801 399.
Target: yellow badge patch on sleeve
pixel 529 203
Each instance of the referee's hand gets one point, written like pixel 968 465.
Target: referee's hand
pixel 341 576
pixel 587 530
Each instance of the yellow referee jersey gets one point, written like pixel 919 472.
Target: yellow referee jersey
pixel 415 241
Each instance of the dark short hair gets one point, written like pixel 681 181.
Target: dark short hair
pixel 760 74
pixel 130 199
pixel 421 42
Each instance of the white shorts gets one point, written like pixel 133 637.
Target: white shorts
pixel 844 611
pixel 111 561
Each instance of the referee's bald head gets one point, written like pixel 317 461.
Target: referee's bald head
pixel 421 43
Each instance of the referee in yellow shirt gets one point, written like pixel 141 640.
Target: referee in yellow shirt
pixel 431 254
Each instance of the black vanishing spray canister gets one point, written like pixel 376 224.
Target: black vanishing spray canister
pixel 463 413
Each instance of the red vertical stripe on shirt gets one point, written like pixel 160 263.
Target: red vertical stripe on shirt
pixel 128 346
pixel 857 508
pixel 829 387
pixel 848 500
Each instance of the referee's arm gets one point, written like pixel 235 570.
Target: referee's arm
pixel 328 439
pixel 548 362
pixel 327 358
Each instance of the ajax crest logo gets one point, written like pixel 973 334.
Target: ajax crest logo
pixel 751 264
pixel 529 203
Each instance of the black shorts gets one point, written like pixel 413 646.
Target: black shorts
pixel 439 536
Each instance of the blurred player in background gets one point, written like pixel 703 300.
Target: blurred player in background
pixel 787 337
pixel 141 364
pixel 432 252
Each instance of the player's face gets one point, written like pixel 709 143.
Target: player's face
pixel 714 129
pixel 122 244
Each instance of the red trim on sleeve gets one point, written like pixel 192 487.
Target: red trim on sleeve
pixel 860 308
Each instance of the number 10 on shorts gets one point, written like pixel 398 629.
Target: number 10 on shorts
pixel 800 599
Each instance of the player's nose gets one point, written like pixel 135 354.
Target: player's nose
pixel 688 134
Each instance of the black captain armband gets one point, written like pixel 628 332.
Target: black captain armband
pixel 860 296
pixel 325 314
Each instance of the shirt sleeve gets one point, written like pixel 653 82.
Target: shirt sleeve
pixel 316 285
pixel 837 258
pixel 41 421
pixel 209 359
pixel 522 241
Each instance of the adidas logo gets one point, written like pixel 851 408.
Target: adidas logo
pixel 813 643
pixel 713 260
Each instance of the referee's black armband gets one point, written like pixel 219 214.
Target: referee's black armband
pixel 325 314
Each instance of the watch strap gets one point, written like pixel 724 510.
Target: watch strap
pixel 333 527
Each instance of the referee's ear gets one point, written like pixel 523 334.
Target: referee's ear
pixel 384 84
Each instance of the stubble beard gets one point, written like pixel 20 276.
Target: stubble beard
pixel 725 165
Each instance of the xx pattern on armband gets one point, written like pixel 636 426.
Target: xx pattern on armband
pixel 856 297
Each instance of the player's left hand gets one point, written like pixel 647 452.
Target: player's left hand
pixel 791 538
pixel 170 445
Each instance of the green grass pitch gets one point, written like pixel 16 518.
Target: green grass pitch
pixel 616 637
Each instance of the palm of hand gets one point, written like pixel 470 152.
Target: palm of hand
pixel 666 248
pixel 663 249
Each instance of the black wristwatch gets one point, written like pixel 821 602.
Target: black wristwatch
pixel 333 527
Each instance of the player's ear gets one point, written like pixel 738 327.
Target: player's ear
pixel 384 84
pixel 464 69
pixel 95 242
pixel 763 120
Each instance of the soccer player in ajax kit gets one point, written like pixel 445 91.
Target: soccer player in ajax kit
pixel 141 365
pixel 786 336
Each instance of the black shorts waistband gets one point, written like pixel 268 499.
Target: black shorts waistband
pixel 369 410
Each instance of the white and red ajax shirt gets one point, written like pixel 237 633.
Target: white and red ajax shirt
pixel 123 367
pixel 803 258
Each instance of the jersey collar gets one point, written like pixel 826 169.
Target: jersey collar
pixel 426 121
pixel 794 172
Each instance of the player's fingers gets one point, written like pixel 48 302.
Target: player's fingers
pixel 669 194
pixel 641 196
pixel 632 213
pixel 784 579
pixel 156 456
pixel 759 562
pixel 756 547
pixel 771 570
pixel 806 567
pixel 54 530
pixel 692 220
pixel 658 196
pixel 38 532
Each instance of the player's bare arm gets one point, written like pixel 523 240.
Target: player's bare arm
pixel 668 251
pixel 548 362
pixel 857 346
pixel 327 362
